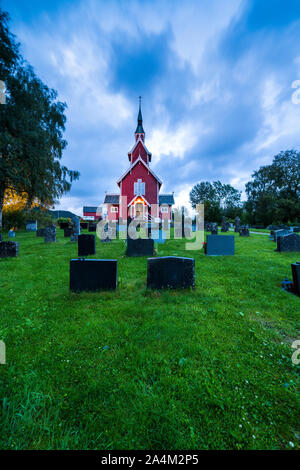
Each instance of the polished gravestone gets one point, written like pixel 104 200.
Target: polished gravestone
pixel 93 274
pixel 9 249
pixel 170 272
pixel 67 232
pixel 220 245
pixel 86 245
pixel 31 225
pixel 50 234
pixel 84 225
pixel 288 243
pixel 140 247
pixel 63 225
pixel 92 227
pixel 296 277
pixel 40 232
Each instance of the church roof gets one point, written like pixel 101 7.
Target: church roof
pixel 90 209
pixel 166 199
pixel 111 199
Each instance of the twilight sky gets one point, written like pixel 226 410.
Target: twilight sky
pixel 215 76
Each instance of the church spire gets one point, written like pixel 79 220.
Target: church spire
pixel 139 129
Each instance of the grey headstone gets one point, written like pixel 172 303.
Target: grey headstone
pixel 170 272
pixel 31 225
pixel 75 230
pixel 93 274
pixel 220 245
pixel 237 224
pixel 50 234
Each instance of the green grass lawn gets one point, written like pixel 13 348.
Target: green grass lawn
pixel 208 368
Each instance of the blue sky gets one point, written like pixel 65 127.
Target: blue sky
pixel 215 76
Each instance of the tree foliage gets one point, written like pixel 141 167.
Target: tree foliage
pixel 218 199
pixel 273 195
pixel 32 123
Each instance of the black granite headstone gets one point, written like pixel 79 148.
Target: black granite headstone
pixel 86 245
pixel 40 232
pixel 63 225
pixel 140 247
pixel 67 232
pixel 170 272
pixel 296 277
pixel 92 227
pixel 220 245
pixel 288 243
pixel 84 225
pixel 9 249
pixel 93 274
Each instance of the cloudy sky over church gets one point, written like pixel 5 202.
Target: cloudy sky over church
pixel 215 77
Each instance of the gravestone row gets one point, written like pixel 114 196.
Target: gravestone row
pixel 165 272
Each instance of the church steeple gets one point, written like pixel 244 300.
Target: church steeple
pixel 139 130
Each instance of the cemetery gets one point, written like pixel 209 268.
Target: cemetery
pixel 96 330
pixel 149 301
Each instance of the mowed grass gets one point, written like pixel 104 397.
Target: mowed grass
pixel 209 368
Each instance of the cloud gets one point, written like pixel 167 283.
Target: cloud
pixel 215 78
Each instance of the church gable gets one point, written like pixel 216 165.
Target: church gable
pixel 140 181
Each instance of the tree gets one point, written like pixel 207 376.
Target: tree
pixel 274 193
pixel 218 199
pixel 32 123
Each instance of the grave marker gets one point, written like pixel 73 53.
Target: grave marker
pixel 9 249
pixel 93 274
pixel 288 243
pixel 140 247
pixel 296 277
pixel 220 245
pixel 170 272
pixel 86 245
pixel 31 225
pixel 50 234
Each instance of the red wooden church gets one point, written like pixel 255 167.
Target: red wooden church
pixel 139 186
